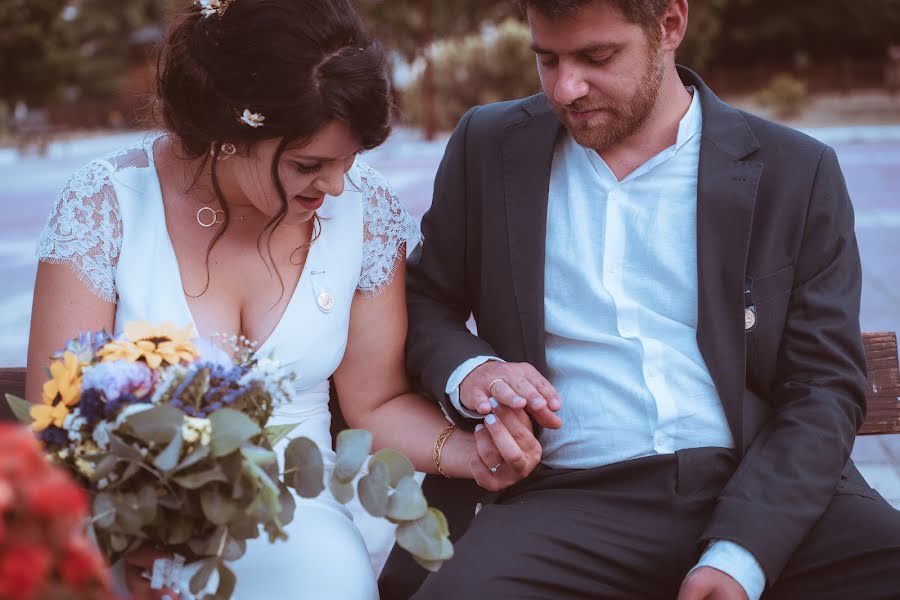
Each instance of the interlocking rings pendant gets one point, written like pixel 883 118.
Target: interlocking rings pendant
pixel 213 216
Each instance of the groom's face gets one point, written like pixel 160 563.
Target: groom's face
pixel 601 73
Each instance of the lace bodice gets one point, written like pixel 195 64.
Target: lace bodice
pixel 85 226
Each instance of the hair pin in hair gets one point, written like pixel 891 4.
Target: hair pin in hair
pixel 209 8
pixel 252 119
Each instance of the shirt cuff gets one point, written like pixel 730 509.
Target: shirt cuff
pixel 456 378
pixel 738 563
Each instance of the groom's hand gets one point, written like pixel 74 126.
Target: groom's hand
pixel 707 583
pixel 516 385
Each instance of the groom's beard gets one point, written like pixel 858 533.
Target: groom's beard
pixel 619 121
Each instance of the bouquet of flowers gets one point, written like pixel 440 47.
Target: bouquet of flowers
pixel 44 553
pixel 170 435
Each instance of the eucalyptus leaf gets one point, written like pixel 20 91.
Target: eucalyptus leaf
pixel 130 471
pixel 104 510
pixel 227 581
pixel 179 530
pixel 288 505
pixel 398 465
pixel 193 458
pixel 407 503
pixel 234 549
pixel 342 492
pixel 217 507
pixel 146 504
pixel 167 460
pixel 244 527
pixel 118 542
pixel 423 538
pixel 304 468
pixel 201 578
pixel 374 489
pixel 197 480
pixel 230 429
pixel 353 447
pixel 128 518
pixel 259 456
pixel 106 466
pixel 124 450
pixel 158 424
pixel 276 433
pixel 20 408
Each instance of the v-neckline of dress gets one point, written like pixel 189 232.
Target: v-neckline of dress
pixel 186 307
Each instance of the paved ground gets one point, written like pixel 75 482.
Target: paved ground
pixel 870 158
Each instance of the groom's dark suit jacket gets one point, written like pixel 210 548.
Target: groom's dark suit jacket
pixel 772 212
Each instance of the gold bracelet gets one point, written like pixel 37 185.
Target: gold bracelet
pixel 439 445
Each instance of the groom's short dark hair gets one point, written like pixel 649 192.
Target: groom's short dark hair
pixel 645 13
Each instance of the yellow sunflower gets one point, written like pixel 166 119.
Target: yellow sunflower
pixel 166 343
pixel 65 381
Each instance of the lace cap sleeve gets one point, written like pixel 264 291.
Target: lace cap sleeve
pixel 85 229
pixel 387 227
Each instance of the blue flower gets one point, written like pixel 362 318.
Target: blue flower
pixel 92 405
pixel 117 378
pixel 84 346
pixel 54 437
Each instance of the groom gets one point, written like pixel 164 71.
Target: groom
pixel 686 277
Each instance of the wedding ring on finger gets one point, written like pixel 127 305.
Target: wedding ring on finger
pixel 495 467
pixel 491 386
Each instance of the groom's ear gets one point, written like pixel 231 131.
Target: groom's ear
pixel 673 25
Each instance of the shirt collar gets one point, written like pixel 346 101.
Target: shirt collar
pixel 692 121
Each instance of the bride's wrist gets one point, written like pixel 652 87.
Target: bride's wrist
pixel 455 454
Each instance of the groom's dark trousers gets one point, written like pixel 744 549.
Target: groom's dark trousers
pixel 775 236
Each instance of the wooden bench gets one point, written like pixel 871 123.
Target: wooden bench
pixel 883 393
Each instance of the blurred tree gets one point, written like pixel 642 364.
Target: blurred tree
pixel 35 50
pixel 463 78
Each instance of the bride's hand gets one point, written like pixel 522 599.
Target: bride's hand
pixel 507 449
pixel 138 564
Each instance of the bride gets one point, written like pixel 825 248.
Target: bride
pixel 250 215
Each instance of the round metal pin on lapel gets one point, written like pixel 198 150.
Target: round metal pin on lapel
pixel 749 318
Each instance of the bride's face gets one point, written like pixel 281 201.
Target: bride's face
pixel 308 172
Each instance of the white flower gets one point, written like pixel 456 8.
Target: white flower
pixel 252 119
pixel 101 435
pixel 73 424
pixel 193 429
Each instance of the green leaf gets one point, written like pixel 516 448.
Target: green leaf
pixel 398 465
pixel 276 433
pixel 234 549
pixel 201 578
pixel 353 447
pixel 104 510
pixel 304 468
pixel 124 450
pixel 168 458
pixel 118 542
pixel 288 505
pixel 374 489
pixel 20 408
pixel 227 581
pixel 265 505
pixel 179 529
pixel 217 507
pixel 424 538
pixel 230 429
pixel 106 466
pixel 407 503
pixel 158 424
pixel 128 518
pixel 342 492
pixel 147 500
pixel 193 458
pixel 197 480
pixel 259 456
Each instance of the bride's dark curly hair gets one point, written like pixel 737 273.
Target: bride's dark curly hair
pixel 300 63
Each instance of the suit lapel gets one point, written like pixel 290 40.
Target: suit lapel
pixel 726 197
pixel 528 149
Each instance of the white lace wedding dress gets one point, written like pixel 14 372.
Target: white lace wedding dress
pixel 109 224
